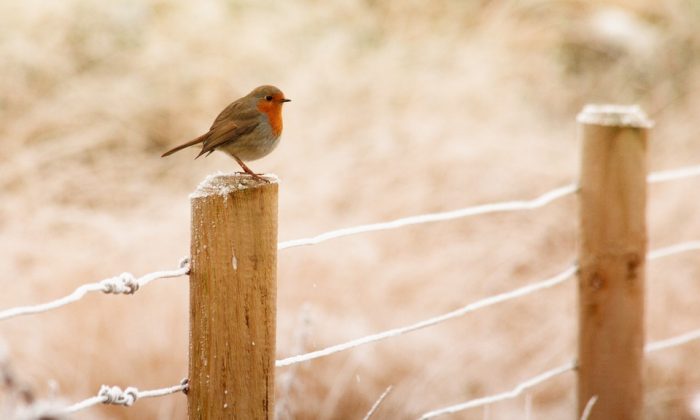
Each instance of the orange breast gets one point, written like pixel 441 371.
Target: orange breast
pixel 273 111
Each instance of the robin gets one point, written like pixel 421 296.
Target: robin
pixel 248 129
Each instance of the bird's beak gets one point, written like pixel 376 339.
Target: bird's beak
pixel 286 100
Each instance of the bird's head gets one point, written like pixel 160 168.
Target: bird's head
pixel 268 97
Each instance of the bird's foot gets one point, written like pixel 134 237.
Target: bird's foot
pixel 255 176
pixel 259 178
pixel 249 171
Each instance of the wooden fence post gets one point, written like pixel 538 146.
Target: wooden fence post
pixel 611 254
pixel 233 292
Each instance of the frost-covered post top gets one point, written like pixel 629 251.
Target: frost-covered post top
pixel 223 184
pixel 614 115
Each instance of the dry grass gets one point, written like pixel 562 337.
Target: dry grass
pixel 399 108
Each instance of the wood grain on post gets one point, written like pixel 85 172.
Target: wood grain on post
pixel 612 252
pixel 233 292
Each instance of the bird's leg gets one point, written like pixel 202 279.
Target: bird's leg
pixel 248 170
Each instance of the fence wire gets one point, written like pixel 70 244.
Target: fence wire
pixel 540 201
pixel 674 249
pixel 124 283
pixel 550 374
pixel 483 303
pixel 673 341
pixel 491 300
pixel 505 206
pixel 673 174
pixel 116 396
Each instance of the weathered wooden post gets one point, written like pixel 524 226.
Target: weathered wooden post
pixel 233 294
pixel 611 253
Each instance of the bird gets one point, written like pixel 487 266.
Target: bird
pixel 247 129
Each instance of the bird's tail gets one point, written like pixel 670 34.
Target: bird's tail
pixel 199 139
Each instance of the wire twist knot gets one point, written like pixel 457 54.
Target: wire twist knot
pixel 115 395
pixel 125 283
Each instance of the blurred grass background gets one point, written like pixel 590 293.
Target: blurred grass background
pixel 399 108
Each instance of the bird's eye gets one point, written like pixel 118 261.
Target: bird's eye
pixel 268 97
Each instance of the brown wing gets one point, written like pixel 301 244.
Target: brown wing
pixel 227 130
pixel 237 119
